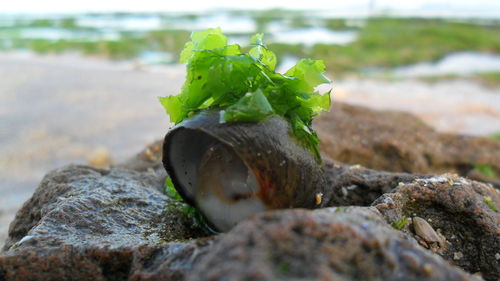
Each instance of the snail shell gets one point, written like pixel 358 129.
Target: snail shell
pixel 230 171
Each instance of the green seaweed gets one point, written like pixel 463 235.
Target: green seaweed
pixel 486 170
pixel 489 202
pixel 245 86
pixel 496 136
pixel 283 268
pixel 400 223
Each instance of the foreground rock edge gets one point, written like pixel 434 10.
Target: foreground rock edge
pixel 142 255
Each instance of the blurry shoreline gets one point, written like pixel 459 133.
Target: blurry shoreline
pixel 379 45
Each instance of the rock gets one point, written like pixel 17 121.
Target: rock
pixel 148 159
pixel 354 185
pixel 458 209
pixel 400 142
pixel 326 244
pixel 84 223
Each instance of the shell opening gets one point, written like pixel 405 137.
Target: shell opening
pixel 210 173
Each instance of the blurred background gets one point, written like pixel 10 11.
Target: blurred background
pixel 79 81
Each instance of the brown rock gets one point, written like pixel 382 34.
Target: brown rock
pixel 400 142
pixel 327 244
pixel 457 209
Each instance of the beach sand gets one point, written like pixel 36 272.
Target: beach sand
pixel 56 110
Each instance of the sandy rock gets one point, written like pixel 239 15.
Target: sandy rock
pixel 400 142
pixel 458 210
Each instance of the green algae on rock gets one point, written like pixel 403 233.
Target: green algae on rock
pixel 244 87
pixel 243 141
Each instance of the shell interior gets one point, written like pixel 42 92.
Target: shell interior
pixel 212 175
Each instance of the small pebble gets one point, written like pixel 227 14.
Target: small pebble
pixel 100 158
pixel 458 256
pixel 497 256
pixel 319 198
pixel 427 269
pixel 344 191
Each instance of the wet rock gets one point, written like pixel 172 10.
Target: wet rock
pixel 354 185
pixel 327 244
pixel 148 160
pixel 168 261
pixel 462 212
pixel 400 142
pixel 84 223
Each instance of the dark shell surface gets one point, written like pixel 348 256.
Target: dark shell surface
pixel 288 176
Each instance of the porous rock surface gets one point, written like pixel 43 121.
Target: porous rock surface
pixel 356 185
pixel 458 210
pixel 352 243
pixel 84 223
pixel 400 142
pixel 89 224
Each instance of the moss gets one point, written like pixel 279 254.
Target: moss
pixel 400 223
pixel 488 79
pixel 486 170
pixel 489 202
pixel 175 225
pixel 192 218
pixel 336 24
pixel 283 268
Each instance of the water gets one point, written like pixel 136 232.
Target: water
pixel 127 23
pixel 228 23
pixel 155 58
pixel 313 35
pixel 461 63
pixel 286 63
pixel 56 33
pixel 109 27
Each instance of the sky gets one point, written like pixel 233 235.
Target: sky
pixel 65 6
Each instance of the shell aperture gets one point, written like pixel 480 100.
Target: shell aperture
pixel 226 189
pixel 231 171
